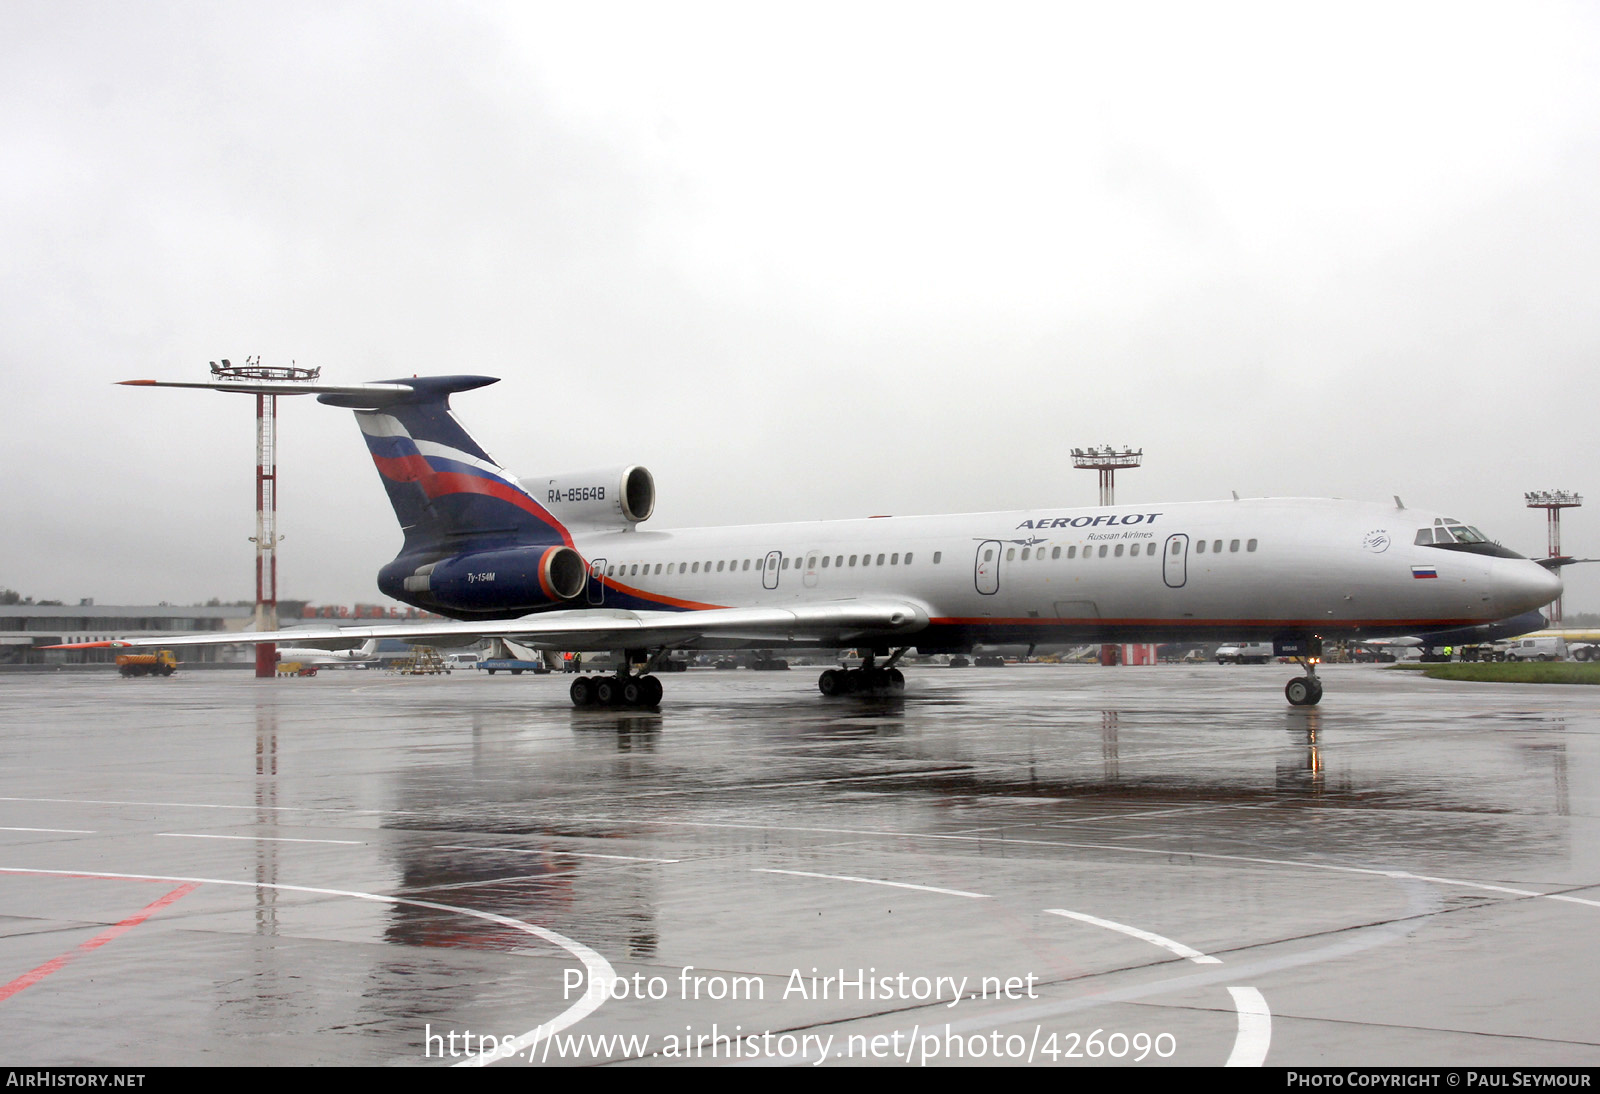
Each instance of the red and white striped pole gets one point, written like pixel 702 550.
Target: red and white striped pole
pixel 266 537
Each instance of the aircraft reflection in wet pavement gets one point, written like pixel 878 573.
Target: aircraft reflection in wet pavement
pixel 561 562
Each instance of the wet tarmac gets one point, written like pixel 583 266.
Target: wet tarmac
pixel 1056 864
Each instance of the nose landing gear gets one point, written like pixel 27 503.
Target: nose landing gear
pixel 1306 691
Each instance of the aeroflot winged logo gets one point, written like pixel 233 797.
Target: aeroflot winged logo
pixel 1104 520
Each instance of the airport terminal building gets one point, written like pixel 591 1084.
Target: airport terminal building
pixel 26 627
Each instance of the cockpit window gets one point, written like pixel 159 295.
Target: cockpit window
pixel 1452 535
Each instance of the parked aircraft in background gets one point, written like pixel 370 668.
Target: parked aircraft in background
pixel 1464 636
pixel 366 653
pixel 563 562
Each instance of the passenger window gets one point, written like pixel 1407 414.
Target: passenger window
pixel 908 558
pixel 852 560
pixel 894 559
pixel 1055 552
pixel 825 562
pixel 937 555
pixel 1102 550
pixel 988 556
pixel 1118 551
pixel 1072 552
pixel 1216 546
pixel 1233 546
pixel 1251 546
pixel 1177 548
pixel 696 567
pixel 881 557
pixel 719 567
pixel 1199 546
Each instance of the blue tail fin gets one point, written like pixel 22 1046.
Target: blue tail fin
pixel 450 496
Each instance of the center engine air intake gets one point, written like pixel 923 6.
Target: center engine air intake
pixel 615 497
pixel 514 578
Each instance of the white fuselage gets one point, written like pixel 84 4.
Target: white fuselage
pixel 1150 572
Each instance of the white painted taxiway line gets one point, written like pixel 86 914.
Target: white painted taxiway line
pixel 1255 1028
pixel 1146 936
pixel 601 974
pixel 56 831
pixel 876 881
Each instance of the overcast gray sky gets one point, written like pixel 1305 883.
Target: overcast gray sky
pixel 802 260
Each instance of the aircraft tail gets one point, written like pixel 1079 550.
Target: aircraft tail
pixel 450 496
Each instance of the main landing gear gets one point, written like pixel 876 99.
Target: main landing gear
pixel 869 679
pixel 616 691
pixel 627 688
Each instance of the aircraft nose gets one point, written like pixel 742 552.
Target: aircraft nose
pixel 1524 586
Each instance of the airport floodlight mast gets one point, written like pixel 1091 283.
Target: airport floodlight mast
pixel 1106 460
pixel 1552 502
pixel 266 537
pixel 254 378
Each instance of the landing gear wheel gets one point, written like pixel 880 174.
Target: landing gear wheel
pixel 834 682
pixel 582 692
pixel 1303 691
pixel 652 691
pixel 607 691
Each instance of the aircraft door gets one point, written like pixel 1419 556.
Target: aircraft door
pixel 986 567
pixel 597 585
pixel 769 575
pixel 1175 561
pixel 807 562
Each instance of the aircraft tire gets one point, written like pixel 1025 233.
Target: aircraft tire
pixel 652 691
pixel 582 692
pixel 1303 691
pixel 607 691
pixel 834 682
pixel 897 680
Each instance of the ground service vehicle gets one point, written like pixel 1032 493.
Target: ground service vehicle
pixel 160 663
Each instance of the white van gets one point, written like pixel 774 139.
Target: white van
pixel 1537 649
pixel 1245 653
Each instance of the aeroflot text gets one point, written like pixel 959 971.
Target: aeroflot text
pixel 1469 1079
pixel 1090 522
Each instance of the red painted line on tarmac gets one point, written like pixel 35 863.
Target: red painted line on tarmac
pixel 28 979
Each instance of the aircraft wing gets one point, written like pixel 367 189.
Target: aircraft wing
pixel 830 623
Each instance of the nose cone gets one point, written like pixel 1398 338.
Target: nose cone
pixel 1522 586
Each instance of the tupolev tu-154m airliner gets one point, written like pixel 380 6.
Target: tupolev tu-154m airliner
pixel 563 562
